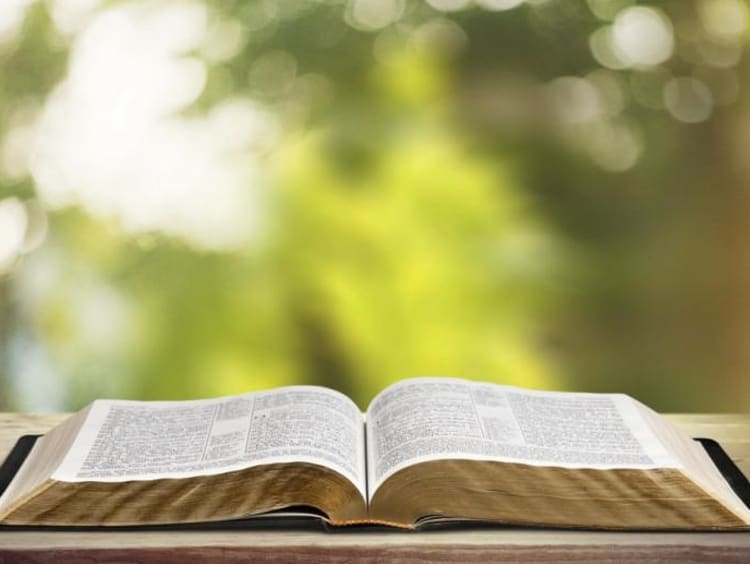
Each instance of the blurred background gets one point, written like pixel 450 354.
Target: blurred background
pixel 204 198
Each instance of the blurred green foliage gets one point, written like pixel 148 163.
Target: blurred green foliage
pixel 446 190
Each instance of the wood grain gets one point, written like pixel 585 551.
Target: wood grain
pixel 506 544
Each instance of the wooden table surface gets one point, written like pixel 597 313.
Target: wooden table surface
pixel 733 431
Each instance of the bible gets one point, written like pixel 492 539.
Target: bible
pixel 427 451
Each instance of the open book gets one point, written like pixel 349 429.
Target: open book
pixel 427 449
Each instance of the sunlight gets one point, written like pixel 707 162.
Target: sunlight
pixel 13 221
pixel 12 13
pixel 642 36
pixel 111 140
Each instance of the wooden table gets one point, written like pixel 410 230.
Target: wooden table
pixel 733 431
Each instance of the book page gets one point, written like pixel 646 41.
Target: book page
pixel 130 440
pixel 424 419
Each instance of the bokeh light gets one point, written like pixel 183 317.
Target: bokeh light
pixel 12 13
pixel 449 5
pixel 371 15
pixel 202 198
pixel 642 37
pixel 607 10
pixel 724 19
pixel 499 5
pixel 108 138
pixel 13 222
pixel 688 99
